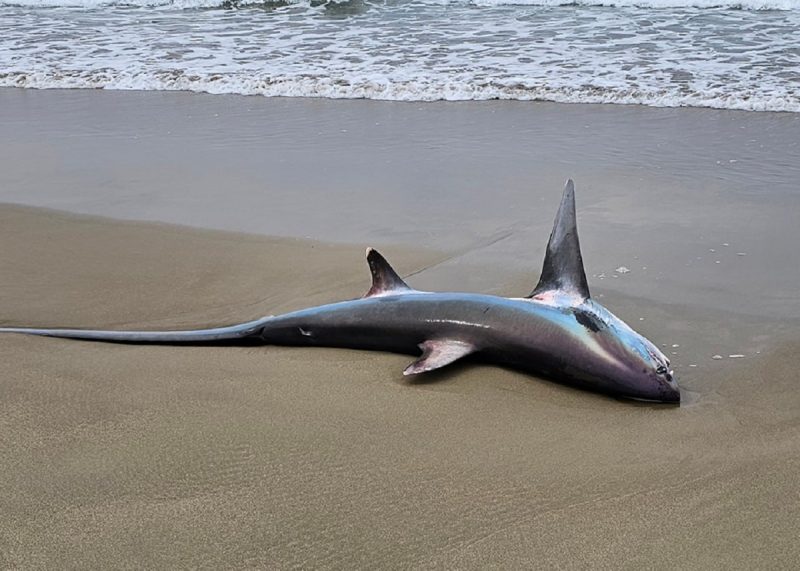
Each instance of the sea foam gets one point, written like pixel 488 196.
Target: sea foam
pixel 414 51
pixel 200 4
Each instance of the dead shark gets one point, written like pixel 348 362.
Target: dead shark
pixel 557 331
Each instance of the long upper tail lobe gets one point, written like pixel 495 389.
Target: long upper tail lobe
pixel 241 331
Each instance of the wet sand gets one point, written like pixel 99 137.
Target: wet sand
pixel 125 456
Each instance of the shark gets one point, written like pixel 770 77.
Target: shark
pixel 556 332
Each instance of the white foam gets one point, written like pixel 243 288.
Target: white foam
pixel 380 90
pixel 417 51
pixel 759 5
pixel 177 4
pixel 651 4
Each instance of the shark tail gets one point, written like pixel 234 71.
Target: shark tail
pixel 241 331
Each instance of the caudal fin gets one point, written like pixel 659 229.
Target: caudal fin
pixel 240 331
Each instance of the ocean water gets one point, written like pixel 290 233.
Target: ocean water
pixel 733 54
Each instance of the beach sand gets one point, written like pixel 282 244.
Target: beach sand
pixel 119 456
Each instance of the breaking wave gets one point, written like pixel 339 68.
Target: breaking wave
pixel 759 5
pixel 421 90
pixel 421 50
pixel 651 4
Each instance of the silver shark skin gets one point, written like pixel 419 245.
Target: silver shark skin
pixel 558 331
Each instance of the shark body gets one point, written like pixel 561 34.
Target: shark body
pixel 557 331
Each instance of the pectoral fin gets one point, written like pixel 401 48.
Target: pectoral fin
pixel 438 353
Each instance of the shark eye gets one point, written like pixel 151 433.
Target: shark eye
pixel 661 370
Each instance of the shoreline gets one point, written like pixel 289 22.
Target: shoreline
pixel 541 100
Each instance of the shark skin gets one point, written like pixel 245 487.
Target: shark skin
pixel 557 331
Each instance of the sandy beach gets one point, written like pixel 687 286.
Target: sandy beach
pixel 170 210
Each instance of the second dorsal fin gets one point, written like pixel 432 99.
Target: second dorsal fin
pixel 563 265
pixel 385 280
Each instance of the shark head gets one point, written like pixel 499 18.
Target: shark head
pixel 607 354
pixel 614 358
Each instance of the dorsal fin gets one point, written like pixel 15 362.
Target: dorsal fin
pixel 384 279
pixel 563 265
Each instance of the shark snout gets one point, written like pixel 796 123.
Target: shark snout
pixel 655 385
pixel 662 390
pixel 669 388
